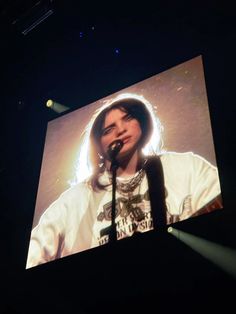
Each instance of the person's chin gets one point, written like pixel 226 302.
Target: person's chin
pixel 126 154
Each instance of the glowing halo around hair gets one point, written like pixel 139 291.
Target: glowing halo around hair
pixel 83 166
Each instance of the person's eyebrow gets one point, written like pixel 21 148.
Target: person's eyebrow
pixel 108 126
pixel 126 115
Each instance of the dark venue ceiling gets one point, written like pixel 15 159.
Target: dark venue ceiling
pixel 76 54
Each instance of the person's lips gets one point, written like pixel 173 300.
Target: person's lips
pixel 125 139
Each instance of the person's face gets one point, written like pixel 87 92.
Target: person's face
pixel 121 125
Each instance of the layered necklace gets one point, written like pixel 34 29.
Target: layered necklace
pixel 130 185
pixel 126 189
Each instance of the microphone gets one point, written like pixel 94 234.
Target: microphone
pixel 114 148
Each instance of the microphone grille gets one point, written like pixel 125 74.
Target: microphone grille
pixel 114 148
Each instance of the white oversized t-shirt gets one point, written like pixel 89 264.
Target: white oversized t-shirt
pixel 80 218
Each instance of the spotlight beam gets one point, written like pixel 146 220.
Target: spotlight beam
pixel 55 106
pixel 223 257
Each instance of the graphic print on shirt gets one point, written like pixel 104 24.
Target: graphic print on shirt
pixel 132 215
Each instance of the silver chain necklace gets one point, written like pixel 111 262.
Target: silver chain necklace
pixel 131 185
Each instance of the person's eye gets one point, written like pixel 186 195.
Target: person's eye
pixel 128 117
pixel 106 131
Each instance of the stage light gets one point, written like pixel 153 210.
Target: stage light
pixel 49 103
pixel 55 106
pixel 223 257
pixel 170 229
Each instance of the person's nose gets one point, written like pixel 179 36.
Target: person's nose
pixel 121 128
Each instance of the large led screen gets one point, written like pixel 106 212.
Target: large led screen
pixel 166 168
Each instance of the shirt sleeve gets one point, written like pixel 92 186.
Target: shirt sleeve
pixel 56 234
pixel 205 192
pixel 47 237
pixel 205 182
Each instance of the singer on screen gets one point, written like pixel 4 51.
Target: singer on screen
pixel 153 187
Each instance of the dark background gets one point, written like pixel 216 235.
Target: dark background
pixel 79 54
